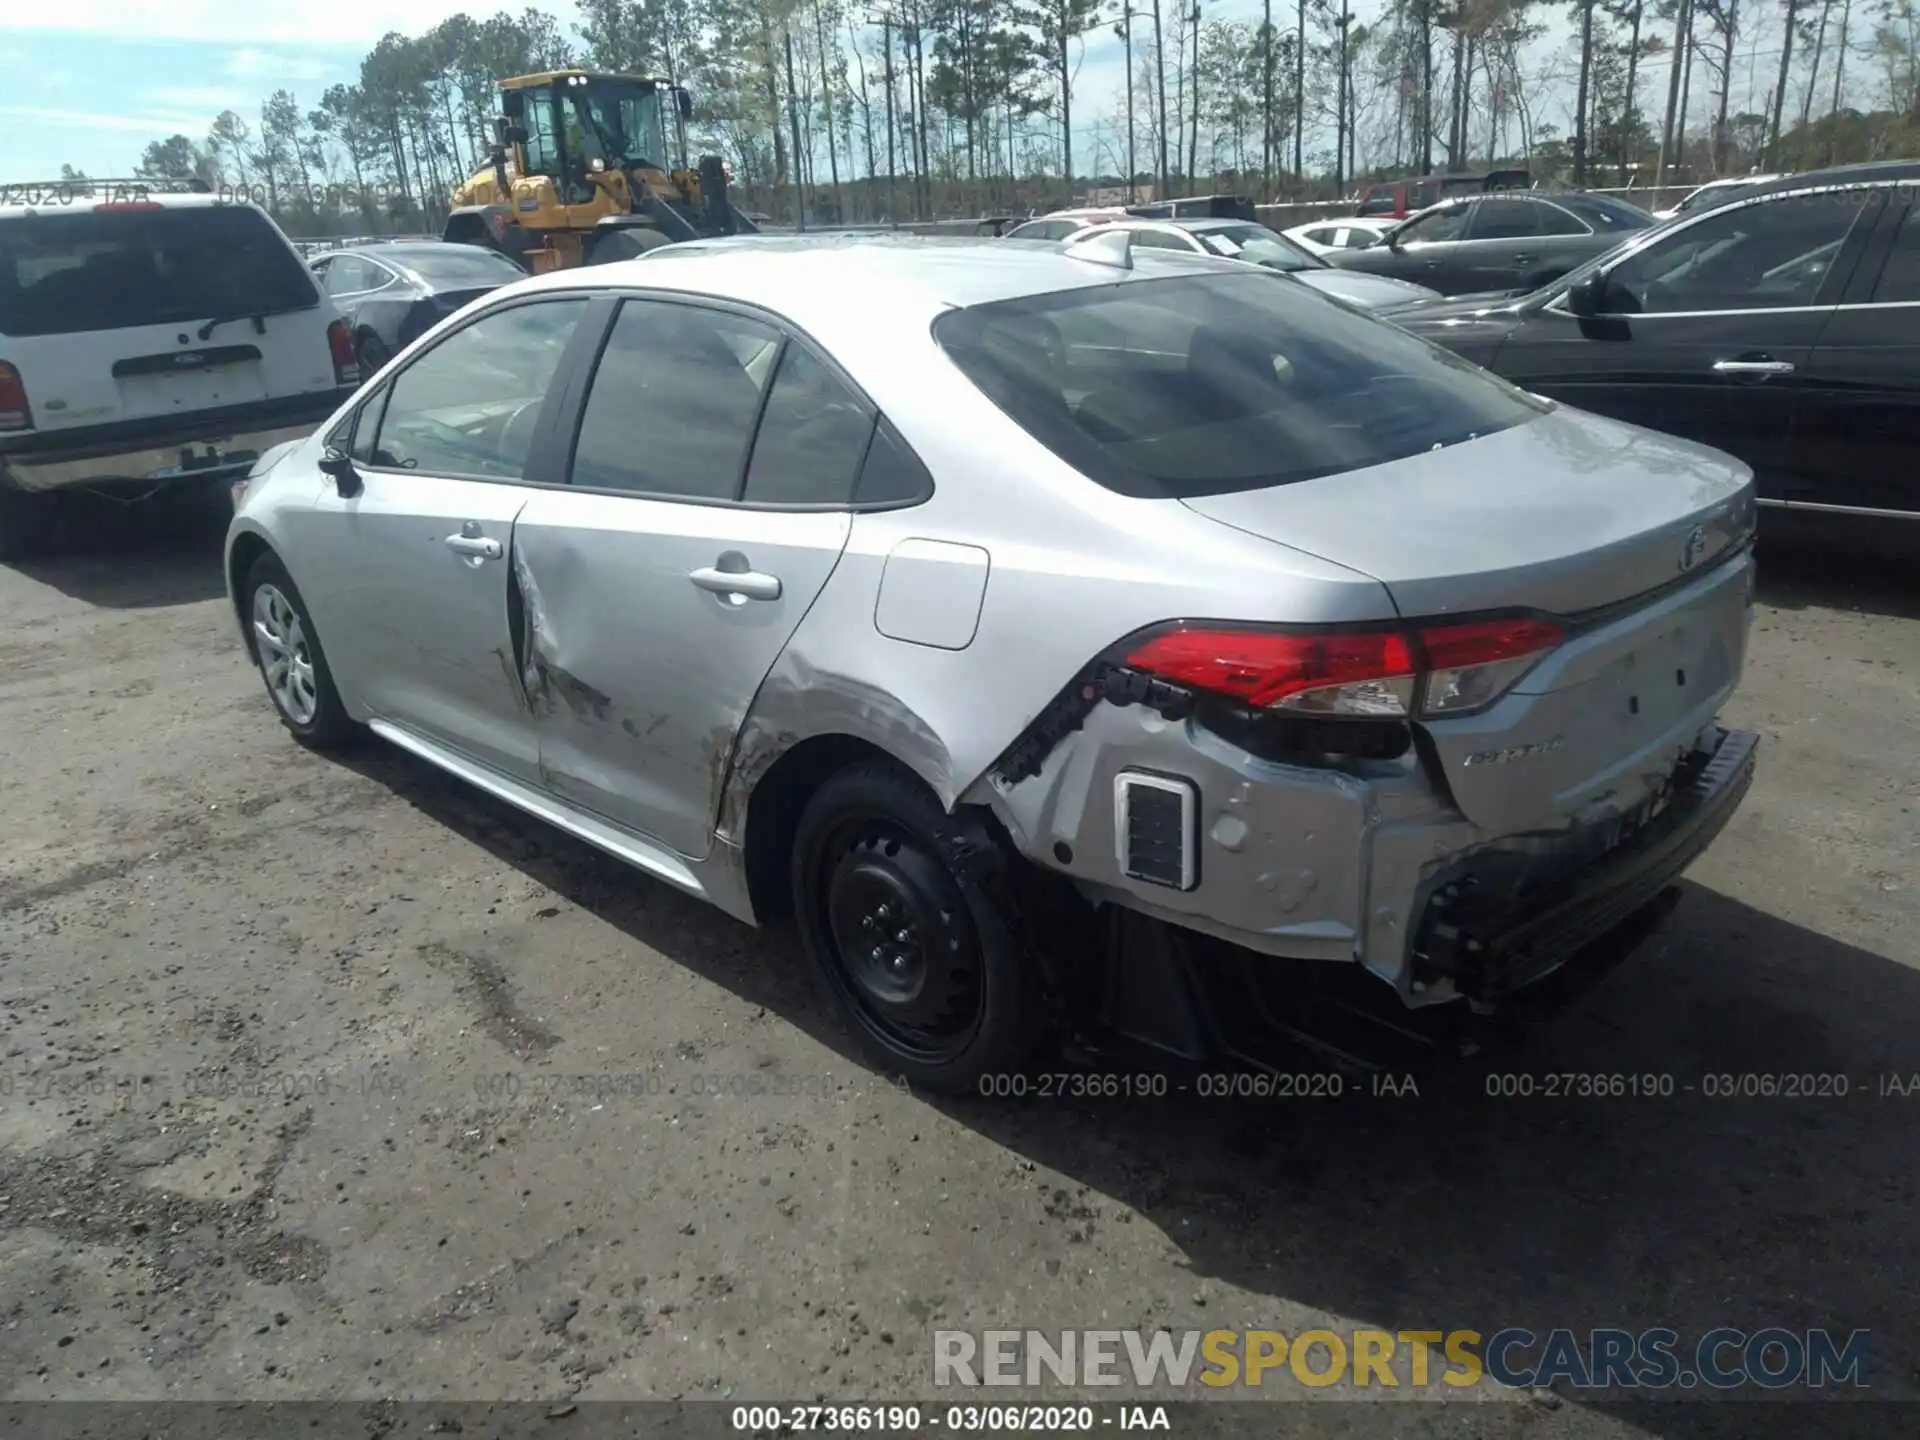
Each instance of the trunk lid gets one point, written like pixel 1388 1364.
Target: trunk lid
pixel 1565 514
pixel 1636 541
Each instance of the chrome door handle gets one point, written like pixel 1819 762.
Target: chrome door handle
pixel 749 583
pixel 477 546
pixel 1753 367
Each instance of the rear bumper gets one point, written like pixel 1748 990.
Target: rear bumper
pixel 1168 993
pixel 1490 945
pixel 210 445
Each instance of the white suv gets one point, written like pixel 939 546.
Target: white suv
pixel 150 341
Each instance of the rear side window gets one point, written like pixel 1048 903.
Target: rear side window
pixel 811 438
pixel 1200 385
pixel 673 401
pixel 1504 220
pixel 113 270
pixel 1900 280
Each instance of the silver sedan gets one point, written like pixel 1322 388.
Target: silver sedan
pixel 969 602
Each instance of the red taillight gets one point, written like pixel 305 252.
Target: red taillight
pixel 15 413
pixel 1345 673
pixel 1454 668
pixel 346 368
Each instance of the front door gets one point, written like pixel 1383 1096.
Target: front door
pixel 1705 332
pixel 661 585
pixel 417 562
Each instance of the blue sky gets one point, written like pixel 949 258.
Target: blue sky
pixel 111 75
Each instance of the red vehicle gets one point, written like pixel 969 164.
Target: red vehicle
pixel 1397 199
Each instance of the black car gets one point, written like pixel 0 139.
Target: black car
pixel 391 293
pixel 1498 242
pixel 1782 327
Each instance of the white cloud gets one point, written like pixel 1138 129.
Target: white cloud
pixel 156 125
pixel 280 69
pixel 211 98
pixel 337 22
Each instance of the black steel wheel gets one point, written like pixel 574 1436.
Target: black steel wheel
pixel 921 960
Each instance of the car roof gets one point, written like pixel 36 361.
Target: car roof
pixel 808 277
pixel 1872 172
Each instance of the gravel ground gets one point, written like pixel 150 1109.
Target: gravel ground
pixel 291 1102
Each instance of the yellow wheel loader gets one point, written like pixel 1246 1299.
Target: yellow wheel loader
pixel 579 174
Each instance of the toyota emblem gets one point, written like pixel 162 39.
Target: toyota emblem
pixel 1695 547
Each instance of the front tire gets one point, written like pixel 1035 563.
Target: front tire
pixel 286 648
pixel 922 960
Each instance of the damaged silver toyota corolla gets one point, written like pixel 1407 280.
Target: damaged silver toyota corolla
pixel 1082 641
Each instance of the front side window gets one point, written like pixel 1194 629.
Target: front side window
pixel 1771 255
pixel 543 139
pixel 812 437
pixel 470 406
pixel 350 274
pixel 1448 224
pixel 671 408
pixel 1205 384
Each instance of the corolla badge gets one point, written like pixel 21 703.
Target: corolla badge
pixel 1508 754
pixel 1695 547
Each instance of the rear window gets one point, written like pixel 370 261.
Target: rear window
pixel 80 271
pixel 1259 246
pixel 459 266
pixel 1201 385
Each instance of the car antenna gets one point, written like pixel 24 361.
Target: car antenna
pixel 1104 246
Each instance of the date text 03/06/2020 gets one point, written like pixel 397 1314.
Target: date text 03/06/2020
pixel 771 1420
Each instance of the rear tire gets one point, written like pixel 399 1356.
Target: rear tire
pixel 626 243
pixel 27 524
pixel 922 960
pixel 286 648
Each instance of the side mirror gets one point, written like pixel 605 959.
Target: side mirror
pixel 339 465
pixel 1587 296
pixel 683 100
pixel 1391 239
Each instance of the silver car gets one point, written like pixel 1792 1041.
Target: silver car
pixel 965 601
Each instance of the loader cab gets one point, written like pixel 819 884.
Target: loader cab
pixel 572 124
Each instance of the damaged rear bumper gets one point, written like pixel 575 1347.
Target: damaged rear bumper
pixel 1181 994
pixel 1490 944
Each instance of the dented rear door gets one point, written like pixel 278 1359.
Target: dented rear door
pixel 640 665
pixel 707 504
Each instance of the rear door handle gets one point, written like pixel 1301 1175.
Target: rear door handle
pixel 1523 259
pixel 749 583
pixel 478 546
pixel 1753 367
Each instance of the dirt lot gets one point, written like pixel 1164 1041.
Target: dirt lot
pixel 421 1200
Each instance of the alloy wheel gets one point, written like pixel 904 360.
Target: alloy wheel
pixel 286 659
